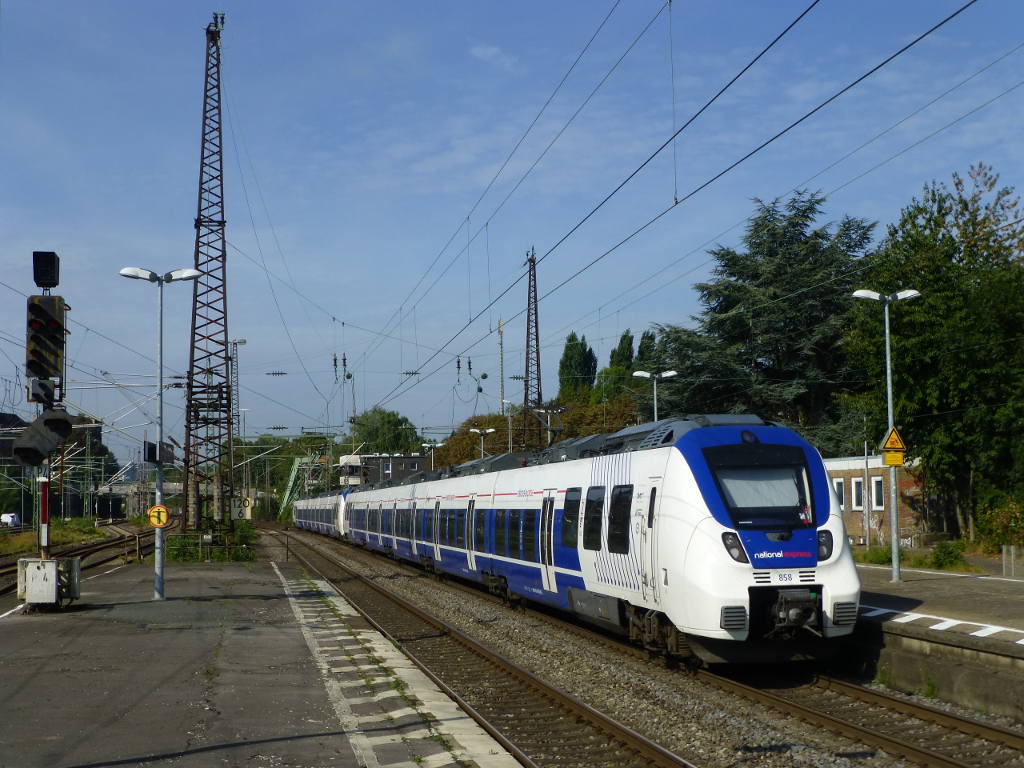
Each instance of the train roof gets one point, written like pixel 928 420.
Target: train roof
pixel 641 437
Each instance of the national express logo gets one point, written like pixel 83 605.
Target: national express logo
pixel 770 555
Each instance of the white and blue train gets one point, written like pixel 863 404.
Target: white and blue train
pixel 713 536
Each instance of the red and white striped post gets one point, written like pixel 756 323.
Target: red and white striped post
pixel 44 517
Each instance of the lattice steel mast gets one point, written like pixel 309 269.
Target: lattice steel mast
pixel 208 411
pixel 532 399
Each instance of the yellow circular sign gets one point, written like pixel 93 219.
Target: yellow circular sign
pixel 158 516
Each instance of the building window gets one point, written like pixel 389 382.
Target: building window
pixel 840 485
pixel 877 493
pixel 858 493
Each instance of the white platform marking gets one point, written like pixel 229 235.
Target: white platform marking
pixel 944 622
pixel 471 742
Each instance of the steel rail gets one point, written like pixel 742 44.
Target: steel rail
pixel 892 745
pixel 644 749
pixel 994 733
pixel 84 550
pixel 896 746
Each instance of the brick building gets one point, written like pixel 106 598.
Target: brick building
pixel 847 476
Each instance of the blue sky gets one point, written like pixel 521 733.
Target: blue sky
pixel 359 138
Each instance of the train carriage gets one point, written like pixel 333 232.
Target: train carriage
pixel 712 535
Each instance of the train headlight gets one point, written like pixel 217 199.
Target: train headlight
pixel 734 548
pixel 824 545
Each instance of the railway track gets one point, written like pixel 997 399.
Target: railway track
pixel 128 544
pixel 539 724
pixel 905 729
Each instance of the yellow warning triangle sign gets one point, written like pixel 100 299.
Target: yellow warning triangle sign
pixel 893 441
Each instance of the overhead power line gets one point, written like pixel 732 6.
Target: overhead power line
pixel 397 390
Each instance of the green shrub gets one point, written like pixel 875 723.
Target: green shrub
pixel 948 554
pixel 876 555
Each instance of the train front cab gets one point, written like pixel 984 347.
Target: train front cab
pixel 766 571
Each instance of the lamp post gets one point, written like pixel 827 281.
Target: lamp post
pixel 432 446
pixel 894 520
pixel 655 377
pixel 137 273
pixel 482 432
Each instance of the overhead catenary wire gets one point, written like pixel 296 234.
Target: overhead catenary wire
pixel 657 217
pixel 387 326
pixel 644 164
pixel 668 283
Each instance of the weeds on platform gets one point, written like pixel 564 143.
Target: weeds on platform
pixel 75 530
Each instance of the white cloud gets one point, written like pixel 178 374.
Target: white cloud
pixel 492 54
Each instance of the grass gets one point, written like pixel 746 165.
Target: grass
pixel 73 531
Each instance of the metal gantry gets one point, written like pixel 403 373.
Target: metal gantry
pixel 208 408
pixel 532 398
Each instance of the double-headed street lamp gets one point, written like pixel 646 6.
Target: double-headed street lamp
pixel 136 273
pixel 482 432
pixel 432 446
pixel 894 519
pixel 655 377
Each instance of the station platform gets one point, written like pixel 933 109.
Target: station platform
pixel 242 664
pixel 974 610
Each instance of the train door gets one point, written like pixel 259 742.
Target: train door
pixel 436 531
pixel 411 526
pixel 648 543
pixel 547 549
pixel 470 535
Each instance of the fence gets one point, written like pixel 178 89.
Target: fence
pixel 205 547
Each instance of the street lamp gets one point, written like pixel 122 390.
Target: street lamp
pixel 655 377
pixel 482 432
pixel 137 273
pixel 432 446
pixel 894 520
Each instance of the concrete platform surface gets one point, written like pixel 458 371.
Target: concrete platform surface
pixel 229 670
pixel 967 607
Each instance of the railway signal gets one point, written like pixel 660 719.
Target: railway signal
pixel 44 337
pixel 40 438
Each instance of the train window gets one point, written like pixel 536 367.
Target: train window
pixel 592 517
pixel 571 518
pixel 515 534
pixel 460 528
pixel 618 519
pixel 530 535
pixel 500 520
pixel 763 486
pixel 479 530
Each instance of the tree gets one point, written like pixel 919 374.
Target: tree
pixel 958 365
pixel 645 350
pixel 769 339
pixel 576 369
pixel 622 355
pixel 383 431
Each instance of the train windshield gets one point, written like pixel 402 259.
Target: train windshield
pixel 763 486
